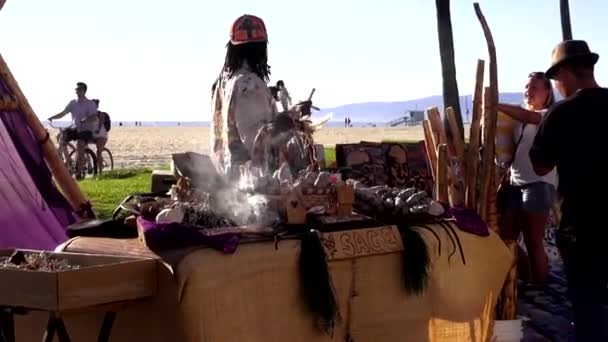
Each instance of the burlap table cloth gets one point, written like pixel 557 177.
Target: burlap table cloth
pixel 254 295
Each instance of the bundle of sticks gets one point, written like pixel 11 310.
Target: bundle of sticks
pixel 465 176
pixel 468 177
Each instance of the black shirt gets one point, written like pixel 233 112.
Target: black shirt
pixel 574 137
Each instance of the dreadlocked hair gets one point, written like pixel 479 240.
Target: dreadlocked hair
pixel 255 54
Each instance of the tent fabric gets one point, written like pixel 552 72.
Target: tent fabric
pixel 26 219
pixel 34 213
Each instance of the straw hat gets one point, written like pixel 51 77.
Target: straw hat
pixel 567 51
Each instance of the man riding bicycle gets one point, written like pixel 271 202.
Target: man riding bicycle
pixel 85 120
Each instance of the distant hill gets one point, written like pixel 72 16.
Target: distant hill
pixel 381 112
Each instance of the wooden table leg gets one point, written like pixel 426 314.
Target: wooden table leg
pixel 7 325
pixel 55 325
pixel 49 333
pixel 106 326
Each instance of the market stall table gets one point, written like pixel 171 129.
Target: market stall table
pixel 68 283
pixel 254 294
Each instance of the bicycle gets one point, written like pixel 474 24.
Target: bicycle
pixel 90 161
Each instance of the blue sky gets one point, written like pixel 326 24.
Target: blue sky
pixel 155 60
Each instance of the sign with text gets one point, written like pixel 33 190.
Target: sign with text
pixel 358 243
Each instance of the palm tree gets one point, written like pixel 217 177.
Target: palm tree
pixel 448 66
pixel 565 14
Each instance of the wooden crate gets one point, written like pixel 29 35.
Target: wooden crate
pixel 101 279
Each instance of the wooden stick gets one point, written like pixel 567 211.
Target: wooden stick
pixel 456 138
pixel 8 104
pixel 434 118
pixel 472 161
pixel 491 208
pixel 441 185
pixel 492 111
pixel 484 191
pixel 312 92
pixel 509 295
pixel 431 148
pixel 72 192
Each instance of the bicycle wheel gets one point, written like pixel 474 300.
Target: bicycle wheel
pixel 107 160
pixel 69 163
pixel 90 163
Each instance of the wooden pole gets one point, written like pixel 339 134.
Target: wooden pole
pixel 457 164
pixel 448 64
pixel 441 185
pixel 508 298
pixel 492 111
pixel 484 188
pixel 472 161
pixel 68 185
pixel 564 9
pixel 431 148
pixel 456 139
pixel 434 118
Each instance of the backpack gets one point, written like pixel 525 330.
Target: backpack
pixel 107 122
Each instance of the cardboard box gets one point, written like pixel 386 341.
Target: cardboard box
pixel 101 279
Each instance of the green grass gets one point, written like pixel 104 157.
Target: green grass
pixel 111 188
pixel 330 155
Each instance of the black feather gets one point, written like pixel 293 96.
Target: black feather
pixel 317 286
pixel 416 261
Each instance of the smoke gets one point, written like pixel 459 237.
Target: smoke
pixel 232 200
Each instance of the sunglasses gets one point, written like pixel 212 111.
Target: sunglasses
pixel 538 74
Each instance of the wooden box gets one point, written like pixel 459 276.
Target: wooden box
pixel 100 280
pixel 162 181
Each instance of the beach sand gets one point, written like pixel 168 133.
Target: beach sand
pixel 152 146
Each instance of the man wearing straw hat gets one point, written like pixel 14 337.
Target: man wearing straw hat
pixel 572 137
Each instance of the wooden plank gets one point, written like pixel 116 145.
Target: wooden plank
pixel 441 185
pixel 106 284
pixel 359 243
pixel 431 148
pixel 456 138
pixel 101 279
pixel 457 165
pixel 472 162
pixel 434 118
pixel 28 289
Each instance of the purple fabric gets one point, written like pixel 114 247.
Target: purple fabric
pixel 469 221
pixel 26 219
pixel 30 153
pixel 166 236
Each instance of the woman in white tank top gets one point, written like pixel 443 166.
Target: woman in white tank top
pixel 530 197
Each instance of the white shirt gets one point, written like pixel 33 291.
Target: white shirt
pixel 81 109
pixel 247 96
pixel 522 172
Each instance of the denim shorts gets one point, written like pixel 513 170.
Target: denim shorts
pixel 535 198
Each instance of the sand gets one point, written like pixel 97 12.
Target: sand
pixel 153 146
